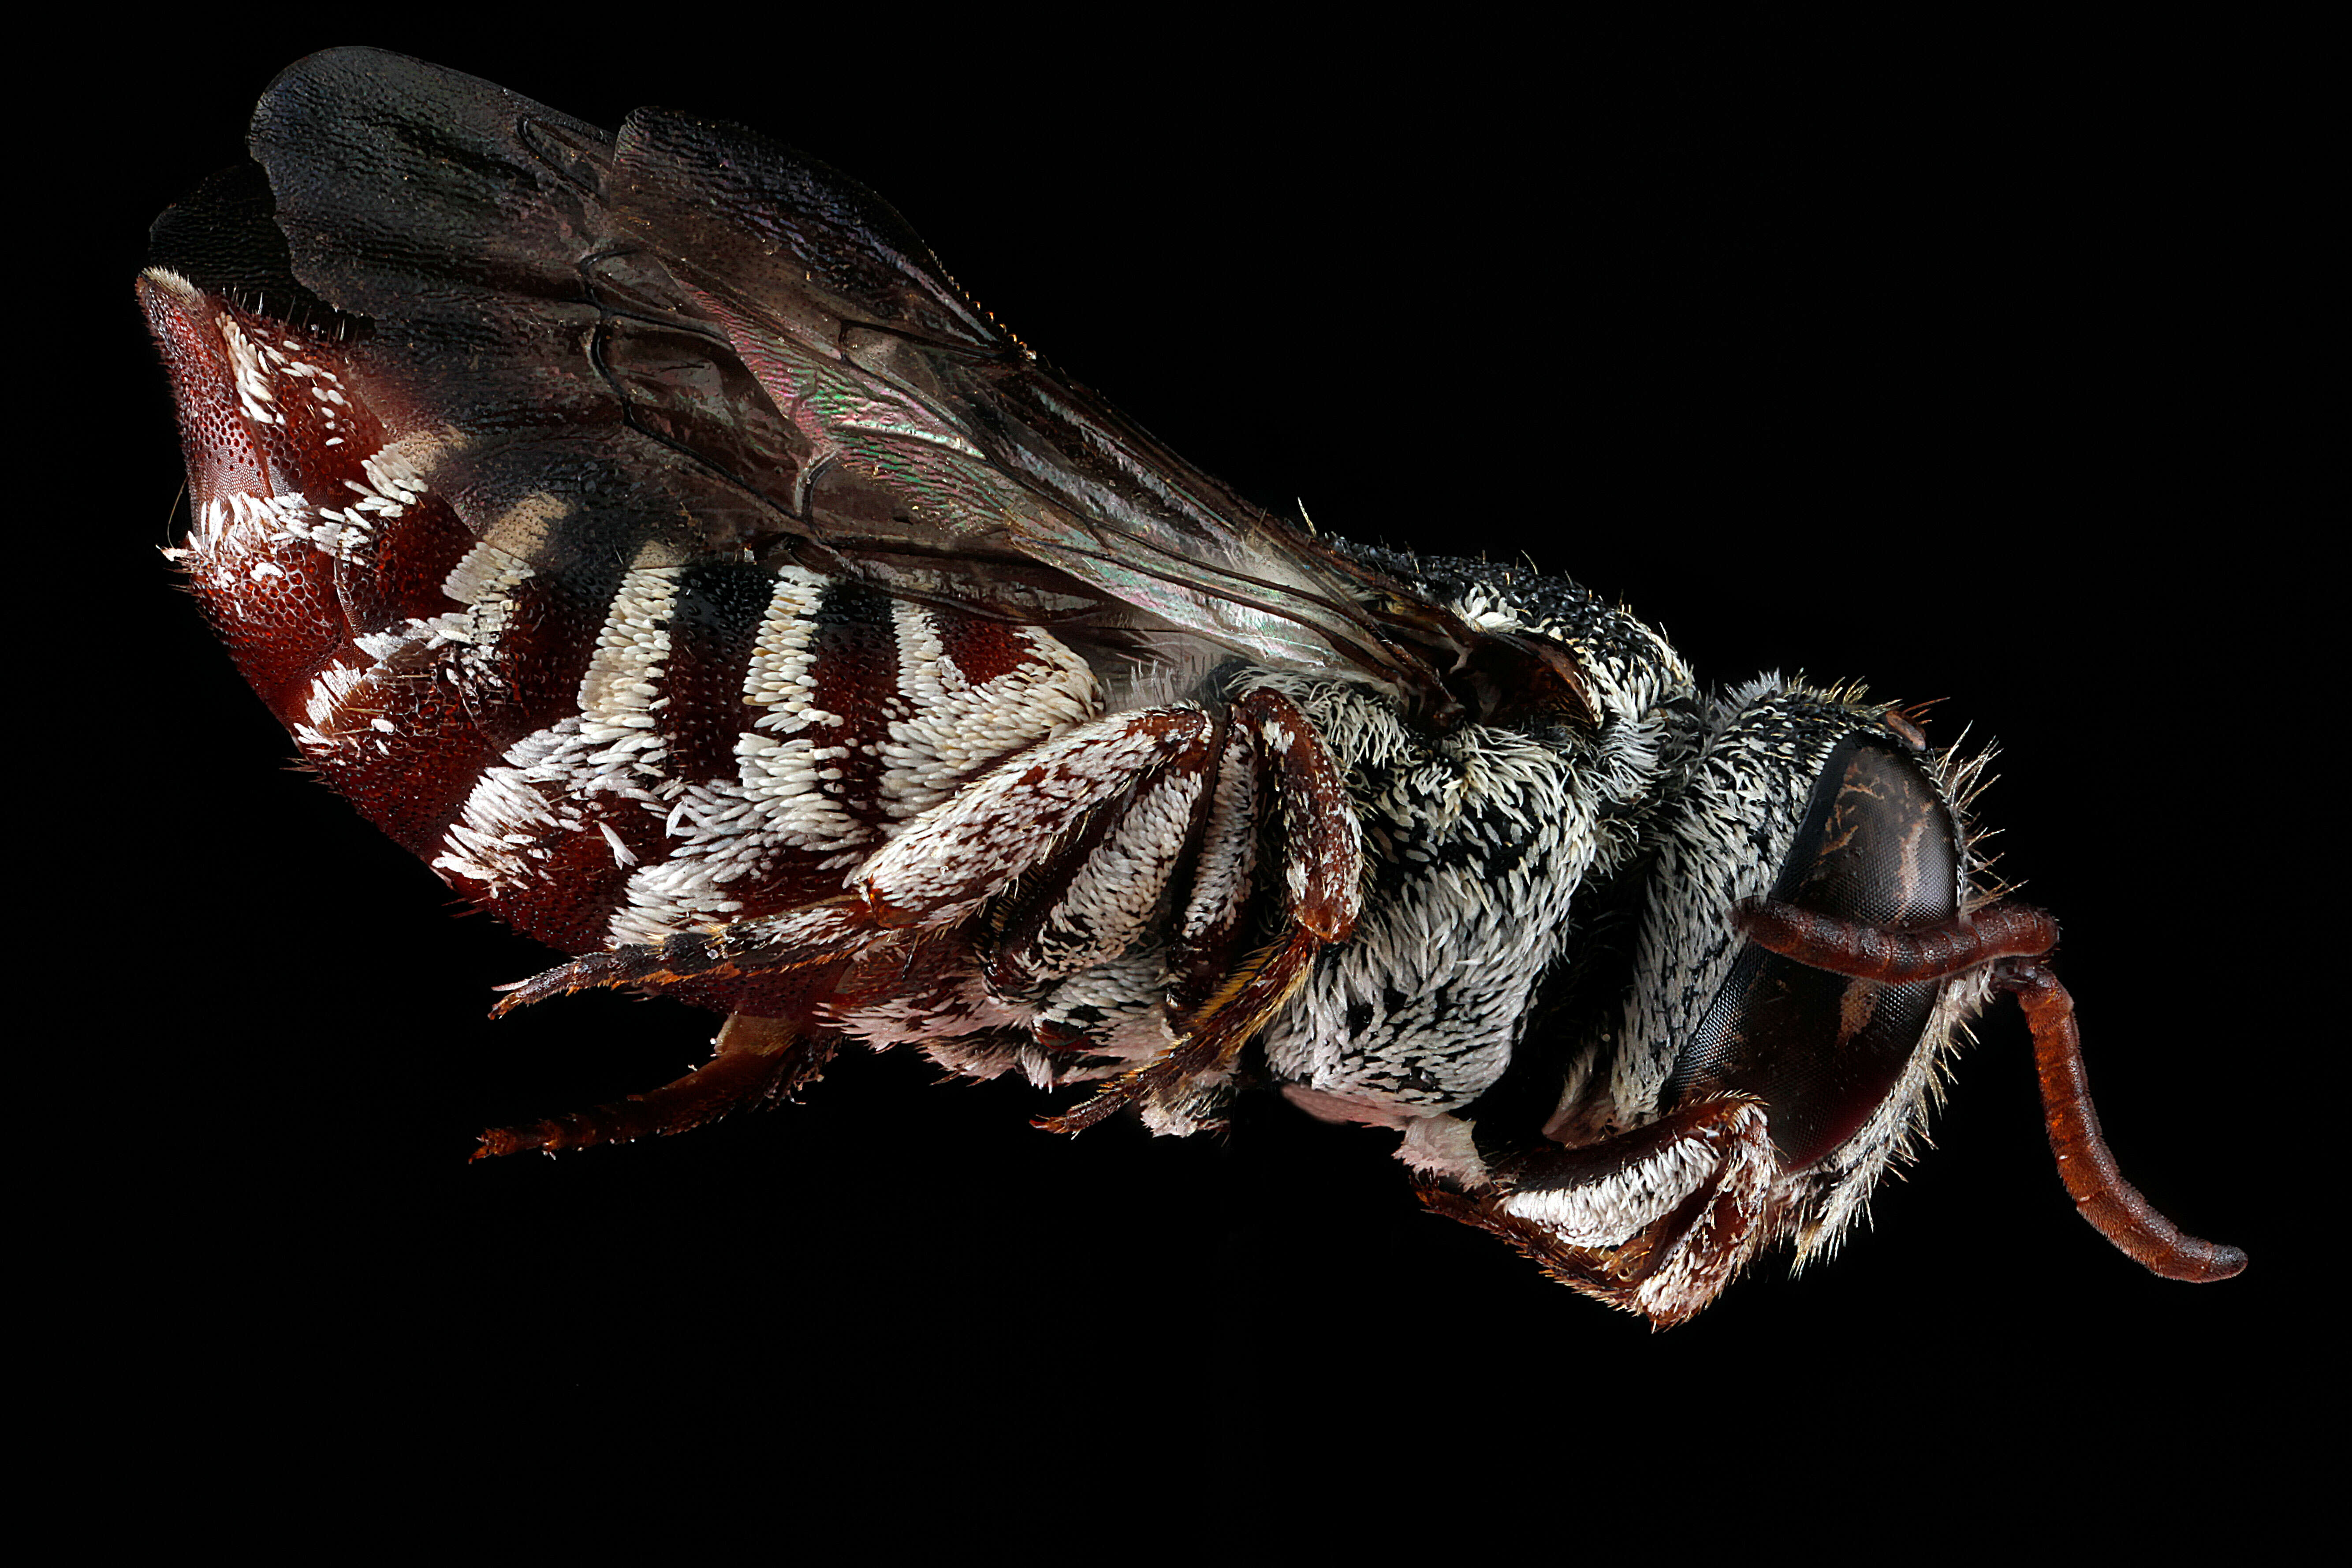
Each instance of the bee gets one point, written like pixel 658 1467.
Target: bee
pixel 647 533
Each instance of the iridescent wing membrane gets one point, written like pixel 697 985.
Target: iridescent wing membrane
pixel 713 348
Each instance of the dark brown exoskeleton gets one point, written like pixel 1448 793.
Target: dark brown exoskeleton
pixel 647 533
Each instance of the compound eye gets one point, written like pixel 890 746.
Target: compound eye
pixel 1824 1051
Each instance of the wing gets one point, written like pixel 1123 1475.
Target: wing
pixel 688 343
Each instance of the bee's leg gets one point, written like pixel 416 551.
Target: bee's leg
pixel 708 958
pixel 1219 997
pixel 936 874
pixel 759 1059
pixel 1024 814
pixel 934 877
pixel 1102 894
pixel 1053 868
pixel 757 1062
pixel 1655 1221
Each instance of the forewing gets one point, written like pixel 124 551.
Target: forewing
pixel 934 429
pixel 689 343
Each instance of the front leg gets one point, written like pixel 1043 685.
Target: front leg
pixel 1655 1221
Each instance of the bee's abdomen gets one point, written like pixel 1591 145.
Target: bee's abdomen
pixel 601 750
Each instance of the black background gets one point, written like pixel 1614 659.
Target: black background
pixel 1956 369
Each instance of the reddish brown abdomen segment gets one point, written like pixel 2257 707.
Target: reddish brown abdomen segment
pixel 601 743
